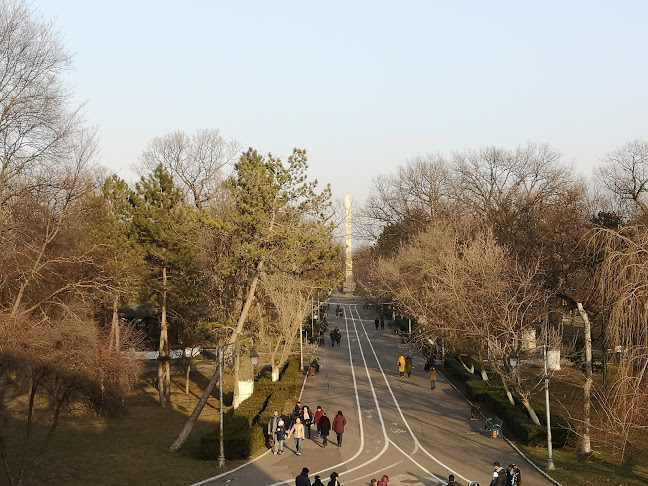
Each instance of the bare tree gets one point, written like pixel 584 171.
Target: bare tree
pixel 291 302
pixel 622 281
pixel 60 365
pixel 196 162
pixel 625 173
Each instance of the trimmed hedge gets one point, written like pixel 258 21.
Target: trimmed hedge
pixel 244 429
pixel 515 418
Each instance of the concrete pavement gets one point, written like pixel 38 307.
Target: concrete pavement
pixel 395 426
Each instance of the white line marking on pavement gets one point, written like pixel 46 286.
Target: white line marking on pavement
pixel 416 441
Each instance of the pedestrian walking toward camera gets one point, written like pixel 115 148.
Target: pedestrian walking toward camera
pixel 325 428
pixel 382 323
pixel 307 419
pixel 302 479
pixel 452 482
pixel 409 366
pixel 433 377
pixel 383 481
pixel 377 322
pixel 296 411
pixel 280 438
pixel 316 418
pixel 297 430
pixel 499 475
pixel 516 476
pixel 318 481
pixel 338 426
pixel 338 336
pixel 401 366
pixel 332 338
pixel 272 427
pixel 334 479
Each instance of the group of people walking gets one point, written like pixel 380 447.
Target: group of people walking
pixel 336 337
pixel 405 365
pixel 302 419
pixel 510 476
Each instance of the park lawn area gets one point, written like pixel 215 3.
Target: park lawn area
pixel 572 468
pixel 133 449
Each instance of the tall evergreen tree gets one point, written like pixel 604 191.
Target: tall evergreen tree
pixel 164 226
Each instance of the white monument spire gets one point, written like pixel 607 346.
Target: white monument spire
pixel 349 283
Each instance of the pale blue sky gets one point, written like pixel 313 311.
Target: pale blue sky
pixel 361 85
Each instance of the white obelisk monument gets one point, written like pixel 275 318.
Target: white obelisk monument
pixel 349 283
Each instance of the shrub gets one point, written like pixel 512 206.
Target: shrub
pixel 515 418
pixel 244 430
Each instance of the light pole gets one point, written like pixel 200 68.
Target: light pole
pixel 550 461
pixel 254 358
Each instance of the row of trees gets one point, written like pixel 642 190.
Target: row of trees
pixel 485 246
pixel 216 245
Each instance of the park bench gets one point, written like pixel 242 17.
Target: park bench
pixel 493 427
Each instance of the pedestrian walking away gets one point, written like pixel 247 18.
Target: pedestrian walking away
pixel 302 479
pixel 307 419
pixel 316 418
pixel 401 366
pixel 325 428
pixel 272 428
pixel 298 431
pixel 377 322
pixel 409 366
pixel 452 482
pixel 333 337
pixel 318 481
pixel 280 438
pixel 296 412
pixel 338 426
pixel 499 475
pixel 383 481
pixel 382 323
pixel 433 377
pixel 334 479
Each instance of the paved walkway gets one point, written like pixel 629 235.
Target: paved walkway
pixel 395 426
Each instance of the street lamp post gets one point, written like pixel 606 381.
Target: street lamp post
pixel 550 460
pixel 254 358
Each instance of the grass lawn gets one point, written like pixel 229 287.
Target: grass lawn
pixel 133 449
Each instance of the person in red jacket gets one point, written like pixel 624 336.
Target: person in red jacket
pixel 316 418
pixel 338 427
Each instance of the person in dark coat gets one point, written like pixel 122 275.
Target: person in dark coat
pixel 334 479
pixel 318 481
pixel 302 479
pixel 452 482
pixel 377 322
pixel 338 427
pixel 499 475
pixel 409 366
pixel 325 428
pixel 333 337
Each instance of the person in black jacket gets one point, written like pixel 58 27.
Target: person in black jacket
pixel 499 475
pixel 325 428
pixel 318 481
pixel 302 479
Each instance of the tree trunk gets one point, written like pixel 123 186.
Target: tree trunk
pixel 470 370
pixel 164 378
pixel 115 337
pixel 184 433
pixel 532 415
pixel 233 338
pixel 275 372
pixel 586 446
pixel 482 369
pixel 509 395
